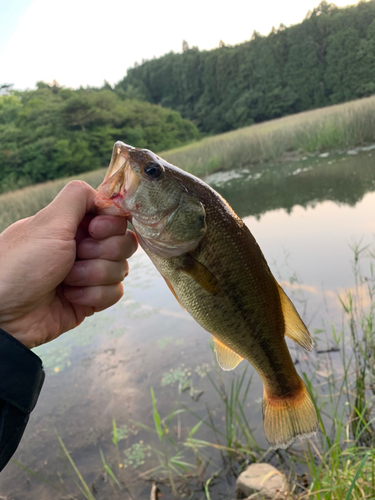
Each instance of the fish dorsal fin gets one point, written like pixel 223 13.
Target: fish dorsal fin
pixel 227 359
pixel 200 274
pixel 295 328
pixel 174 293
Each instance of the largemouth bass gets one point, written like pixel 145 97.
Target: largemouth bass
pixel 216 270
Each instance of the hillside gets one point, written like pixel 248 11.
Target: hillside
pixel 328 58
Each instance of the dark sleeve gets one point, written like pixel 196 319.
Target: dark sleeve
pixel 21 379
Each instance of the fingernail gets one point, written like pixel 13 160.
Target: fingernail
pixel 73 293
pixel 78 273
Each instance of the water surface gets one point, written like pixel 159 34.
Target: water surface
pixel 305 216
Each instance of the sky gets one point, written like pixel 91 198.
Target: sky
pixel 84 42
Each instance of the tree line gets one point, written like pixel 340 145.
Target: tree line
pixel 56 132
pixel 164 103
pixel 326 59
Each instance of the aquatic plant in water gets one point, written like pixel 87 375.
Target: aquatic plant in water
pixel 137 454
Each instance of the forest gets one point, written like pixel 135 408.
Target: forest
pixel 55 132
pixel 164 103
pixel 327 59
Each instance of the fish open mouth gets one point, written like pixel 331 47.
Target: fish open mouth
pixel 120 156
pixel 117 181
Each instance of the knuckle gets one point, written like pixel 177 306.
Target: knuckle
pixel 77 185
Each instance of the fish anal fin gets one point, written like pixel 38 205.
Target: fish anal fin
pixel 295 328
pixel 227 359
pixel 174 293
pixel 201 274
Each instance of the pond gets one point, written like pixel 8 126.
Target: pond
pixel 307 216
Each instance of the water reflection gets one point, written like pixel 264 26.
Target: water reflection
pixel 304 216
pixel 342 179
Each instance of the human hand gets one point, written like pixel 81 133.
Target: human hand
pixel 44 290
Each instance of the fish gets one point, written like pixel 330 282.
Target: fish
pixel 217 272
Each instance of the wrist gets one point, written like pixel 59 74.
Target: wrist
pixel 23 333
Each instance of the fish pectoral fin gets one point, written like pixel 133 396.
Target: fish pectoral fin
pixel 200 274
pixel 227 359
pixel 174 293
pixel 295 328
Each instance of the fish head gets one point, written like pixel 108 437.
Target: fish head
pixel 168 218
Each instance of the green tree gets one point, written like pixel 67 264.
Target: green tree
pixel 326 58
pixel 344 61
pixel 54 132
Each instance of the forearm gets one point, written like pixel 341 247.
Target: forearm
pixel 21 380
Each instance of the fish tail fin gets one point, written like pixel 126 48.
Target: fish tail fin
pixel 290 417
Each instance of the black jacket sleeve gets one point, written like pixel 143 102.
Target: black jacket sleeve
pixel 21 380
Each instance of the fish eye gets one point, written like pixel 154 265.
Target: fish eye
pixel 153 170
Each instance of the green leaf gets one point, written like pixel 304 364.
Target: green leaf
pixel 157 419
pixel 348 495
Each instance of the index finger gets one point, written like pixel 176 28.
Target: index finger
pixel 105 226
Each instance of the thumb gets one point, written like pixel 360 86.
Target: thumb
pixel 67 210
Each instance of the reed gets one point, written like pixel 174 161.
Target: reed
pixel 341 126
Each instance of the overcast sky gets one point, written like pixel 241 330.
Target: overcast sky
pixel 84 42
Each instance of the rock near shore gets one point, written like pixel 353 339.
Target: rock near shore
pixel 263 480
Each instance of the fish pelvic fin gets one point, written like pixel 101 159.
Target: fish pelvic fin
pixel 295 328
pixel 227 359
pixel 288 418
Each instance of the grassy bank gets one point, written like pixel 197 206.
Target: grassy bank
pixel 336 127
pixel 25 202
pixel 343 126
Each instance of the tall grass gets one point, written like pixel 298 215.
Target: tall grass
pixel 341 126
pixel 336 127
pixel 339 463
pixel 28 201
